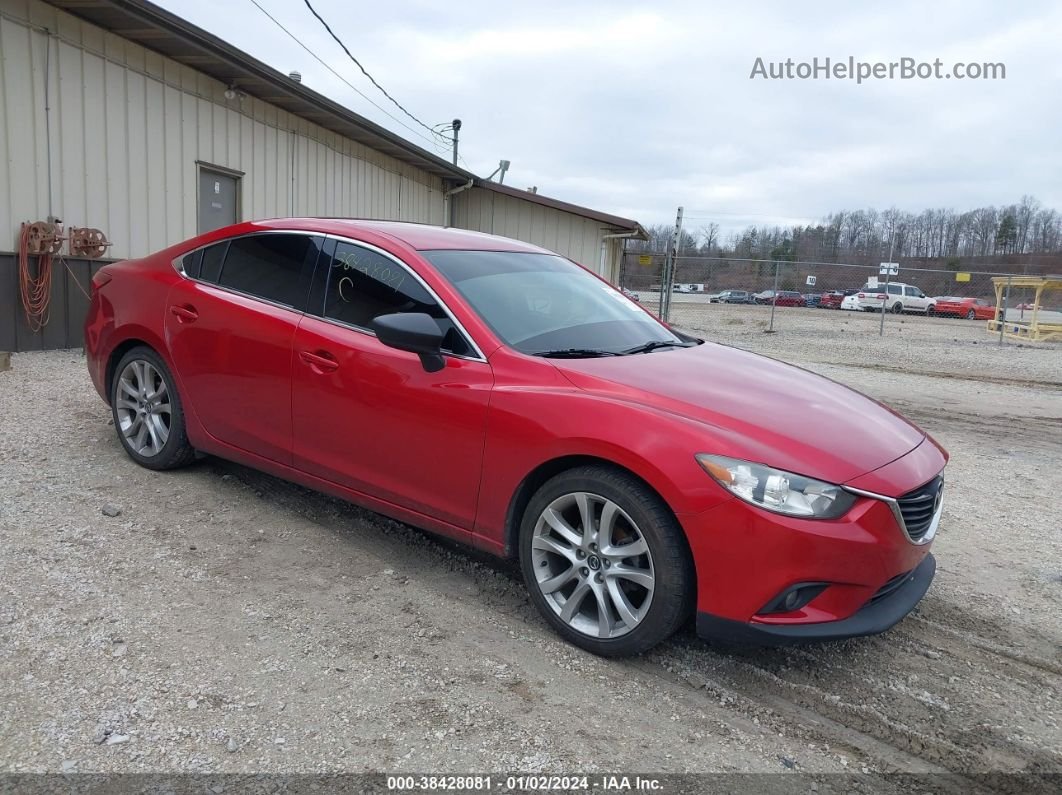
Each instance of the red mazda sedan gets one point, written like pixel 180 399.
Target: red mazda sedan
pixel 498 394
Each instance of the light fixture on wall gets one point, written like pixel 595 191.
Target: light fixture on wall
pixel 503 166
pixel 230 93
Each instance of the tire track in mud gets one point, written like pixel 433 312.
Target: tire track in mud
pixel 979 378
pixel 855 695
pixel 1033 431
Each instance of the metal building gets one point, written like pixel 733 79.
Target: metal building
pixel 120 116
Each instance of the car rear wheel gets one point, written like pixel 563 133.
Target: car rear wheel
pixel 897 308
pixel 147 412
pixel 605 561
pixel 971 315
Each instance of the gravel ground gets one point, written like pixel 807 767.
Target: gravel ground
pixel 224 621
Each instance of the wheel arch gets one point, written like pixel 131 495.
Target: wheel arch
pixel 534 480
pixel 116 354
pixel 134 338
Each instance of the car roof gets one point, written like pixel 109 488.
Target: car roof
pixel 423 237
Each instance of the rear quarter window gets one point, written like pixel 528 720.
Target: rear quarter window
pixel 192 263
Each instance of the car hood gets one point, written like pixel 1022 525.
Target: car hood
pixel 757 408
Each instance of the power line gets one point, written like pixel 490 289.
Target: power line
pixel 364 72
pixel 433 141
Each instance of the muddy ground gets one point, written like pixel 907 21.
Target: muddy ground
pixel 225 621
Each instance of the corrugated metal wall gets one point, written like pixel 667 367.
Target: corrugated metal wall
pixel 128 125
pixel 572 235
pixel 71 283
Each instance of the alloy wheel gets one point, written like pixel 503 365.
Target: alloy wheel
pixel 142 406
pixel 593 565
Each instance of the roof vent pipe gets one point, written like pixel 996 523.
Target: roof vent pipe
pixel 296 76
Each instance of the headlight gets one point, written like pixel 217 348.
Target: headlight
pixel 778 491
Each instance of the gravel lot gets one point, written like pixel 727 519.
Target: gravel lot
pixel 225 621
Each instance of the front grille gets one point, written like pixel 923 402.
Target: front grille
pixel 917 507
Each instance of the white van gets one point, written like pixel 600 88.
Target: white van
pixel 896 297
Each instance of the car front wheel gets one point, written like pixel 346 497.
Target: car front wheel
pixel 147 411
pixel 971 315
pixel 605 561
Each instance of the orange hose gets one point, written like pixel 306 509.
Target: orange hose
pixel 35 289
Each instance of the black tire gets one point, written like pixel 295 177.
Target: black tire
pixel 675 585
pixel 897 308
pixel 175 451
pixel 971 315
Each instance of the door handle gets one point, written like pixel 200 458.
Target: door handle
pixel 321 362
pixel 184 314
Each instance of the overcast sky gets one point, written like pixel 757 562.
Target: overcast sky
pixel 637 108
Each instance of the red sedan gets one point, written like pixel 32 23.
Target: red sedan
pixel 833 299
pixel 969 308
pixel 498 394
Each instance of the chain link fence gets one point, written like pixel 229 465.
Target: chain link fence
pixel 707 290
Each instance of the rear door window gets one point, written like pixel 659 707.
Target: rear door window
pixel 271 266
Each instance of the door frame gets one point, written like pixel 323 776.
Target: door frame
pixel 203 165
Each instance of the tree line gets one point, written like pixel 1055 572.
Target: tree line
pixel 870 236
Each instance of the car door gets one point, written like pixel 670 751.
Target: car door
pixel 229 330
pixel 370 417
pixel 913 298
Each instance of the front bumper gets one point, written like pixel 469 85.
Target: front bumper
pixel 746 558
pixel 878 615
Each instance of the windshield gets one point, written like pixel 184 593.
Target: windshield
pixel 542 303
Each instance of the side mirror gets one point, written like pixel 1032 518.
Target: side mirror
pixel 415 332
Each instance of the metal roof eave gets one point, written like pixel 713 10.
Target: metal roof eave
pixel 157 29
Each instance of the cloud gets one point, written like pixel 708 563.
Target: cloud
pixel 637 108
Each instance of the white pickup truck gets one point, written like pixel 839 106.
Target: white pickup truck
pixel 896 297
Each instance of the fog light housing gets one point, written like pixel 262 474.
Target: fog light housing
pixel 793 598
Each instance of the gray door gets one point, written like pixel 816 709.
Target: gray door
pixel 217 200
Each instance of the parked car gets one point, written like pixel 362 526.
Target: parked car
pixel 851 302
pixel 812 299
pixel 785 298
pixel 833 299
pixel 630 294
pixel 789 298
pixel 969 308
pixel 500 395
pixel 730 297
pixel 895 297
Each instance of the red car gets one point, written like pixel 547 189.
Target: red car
pixel 498 394
pixel 832 299
pixel 969 308
pixel 790 298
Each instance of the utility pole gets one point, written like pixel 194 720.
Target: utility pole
pixel 774 296
pixel 884 303
pixel 669 268
pixel 457 130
